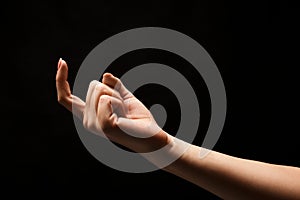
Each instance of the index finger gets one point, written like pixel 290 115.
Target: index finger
pixel 64 95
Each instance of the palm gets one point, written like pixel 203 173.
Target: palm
pixel 136 110
pixel 138 121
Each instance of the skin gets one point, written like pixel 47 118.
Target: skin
pixel 111 111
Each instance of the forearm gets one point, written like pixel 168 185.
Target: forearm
pixel 234 178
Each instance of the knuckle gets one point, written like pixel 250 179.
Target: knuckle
pixel 92 83
pixel 118 83
pixel 100 87
pixel 104 98
pixel 88 125
pixel 85 122
pixel 118 80
pixel 61 99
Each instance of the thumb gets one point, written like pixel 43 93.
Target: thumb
pixel 116 84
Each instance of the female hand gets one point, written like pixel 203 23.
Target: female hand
pixel 111 110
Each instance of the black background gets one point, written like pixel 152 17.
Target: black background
pixel 255 46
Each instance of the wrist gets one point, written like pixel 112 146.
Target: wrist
pixel 140 145
pixel 173 149
pixel 152 143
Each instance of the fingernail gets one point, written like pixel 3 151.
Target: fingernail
pixel 59 63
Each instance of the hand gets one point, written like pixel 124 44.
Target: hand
pixel 111 110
